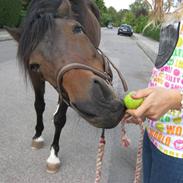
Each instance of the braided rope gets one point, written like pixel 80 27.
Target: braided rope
pixel 125 141
pixel 138 168
pixel 100 156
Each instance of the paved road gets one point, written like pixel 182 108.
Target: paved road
pixel 79 140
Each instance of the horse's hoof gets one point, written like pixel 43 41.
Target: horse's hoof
pixel 52 168
pixel 53 162
pixel 37 143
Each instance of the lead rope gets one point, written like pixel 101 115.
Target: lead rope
pixel 125 141
pixel 138 168
pixel 100 156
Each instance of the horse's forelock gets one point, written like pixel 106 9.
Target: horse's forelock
pixel 40 19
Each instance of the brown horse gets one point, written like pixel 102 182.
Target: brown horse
pixel 58 43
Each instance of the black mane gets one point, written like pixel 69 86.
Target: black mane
pixel 40 19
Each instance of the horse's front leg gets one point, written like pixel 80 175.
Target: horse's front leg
pixel 39 89
pixel 53 162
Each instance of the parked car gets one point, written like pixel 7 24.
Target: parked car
pixel 125 30
pixel 110 26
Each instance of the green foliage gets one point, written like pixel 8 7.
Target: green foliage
pixel 139 8
pixel 129 18
pixel 134 16
pixel 152 32
pixel 25 4
pixel 137 17
pixel 119 17
pixel 10 12
pixel 101 6
pixel 140 23
pixel 105 19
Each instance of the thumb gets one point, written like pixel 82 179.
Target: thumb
pixel 142 93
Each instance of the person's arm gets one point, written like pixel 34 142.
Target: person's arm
pixel 157 102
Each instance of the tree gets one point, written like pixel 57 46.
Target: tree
pixel 105 19
pixel 129 18
pixel 101 6
pixel 139 8
pixel 103 12
pixel 112 13
pixel 121 16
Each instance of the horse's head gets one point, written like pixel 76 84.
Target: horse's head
pixel 52 38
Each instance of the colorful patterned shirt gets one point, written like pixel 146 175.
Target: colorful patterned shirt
pixel 167 133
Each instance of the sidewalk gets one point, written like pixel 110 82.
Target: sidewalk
pixel 4 36
pixel 149 46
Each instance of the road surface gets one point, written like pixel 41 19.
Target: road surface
pixel 79 141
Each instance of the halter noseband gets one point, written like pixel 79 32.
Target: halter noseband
pixel 104 75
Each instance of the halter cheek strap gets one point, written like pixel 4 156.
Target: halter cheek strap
pixel 106 75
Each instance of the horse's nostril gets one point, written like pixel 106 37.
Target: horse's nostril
pixel 101 89
pixel 95 81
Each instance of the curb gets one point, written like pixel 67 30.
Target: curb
pixel 151 54
pixel 4 36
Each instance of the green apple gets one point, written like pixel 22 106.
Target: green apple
pixel 132 103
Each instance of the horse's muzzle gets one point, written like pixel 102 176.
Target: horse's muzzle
pixel 103 109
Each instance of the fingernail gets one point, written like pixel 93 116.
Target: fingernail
pixel 134 93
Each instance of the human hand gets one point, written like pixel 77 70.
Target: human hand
pixel 130 118
pixel 157 102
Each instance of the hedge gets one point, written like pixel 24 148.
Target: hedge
pixel 10 12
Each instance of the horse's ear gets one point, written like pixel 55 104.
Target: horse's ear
pixel 14 32
pixel 65 8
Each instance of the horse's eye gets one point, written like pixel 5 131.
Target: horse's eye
pixel 34 67
pixel 77 29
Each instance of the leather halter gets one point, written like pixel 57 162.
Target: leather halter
pixel 104 75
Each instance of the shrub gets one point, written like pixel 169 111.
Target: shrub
pixel 10 11
pixel 129 18
pixel 152 32
pixel 140 23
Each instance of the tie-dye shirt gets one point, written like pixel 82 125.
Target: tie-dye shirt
pixel 167 133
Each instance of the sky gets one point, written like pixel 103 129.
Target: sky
pixel 119 4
